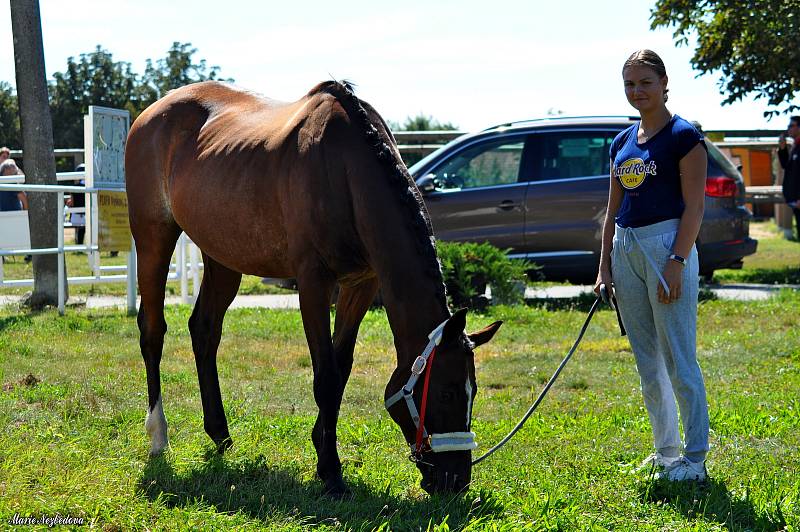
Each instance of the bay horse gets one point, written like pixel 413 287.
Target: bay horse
pixel 313 190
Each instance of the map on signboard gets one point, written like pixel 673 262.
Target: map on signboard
pixel 108 135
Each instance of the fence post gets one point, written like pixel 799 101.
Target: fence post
pixel 132 279
pixel 195 271
pixel 60 229
pixel 181 269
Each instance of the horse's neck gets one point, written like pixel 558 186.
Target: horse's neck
pixel 414 311
pixel 397 240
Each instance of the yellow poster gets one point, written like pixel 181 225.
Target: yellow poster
pixel 114 232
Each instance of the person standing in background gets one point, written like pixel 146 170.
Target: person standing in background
pixel 791 166
pixel 10 200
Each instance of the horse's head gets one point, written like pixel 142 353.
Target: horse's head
pixel 434 407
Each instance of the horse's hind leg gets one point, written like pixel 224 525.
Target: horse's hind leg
pixel 217 291
pixel 353 303
pixel 154 246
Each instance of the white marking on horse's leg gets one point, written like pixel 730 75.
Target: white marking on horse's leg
pixel 156 426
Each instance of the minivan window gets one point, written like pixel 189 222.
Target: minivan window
pixel 484 165
pixel 566 155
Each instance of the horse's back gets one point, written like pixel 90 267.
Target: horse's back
pixel 222 163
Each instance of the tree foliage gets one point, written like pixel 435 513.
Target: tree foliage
pixel 753 44
pixel 10 134
pixel 95 78
pixel 422 122
pixel 175 70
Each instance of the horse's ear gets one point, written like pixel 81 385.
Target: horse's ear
pixel 485 334
pixel 455 326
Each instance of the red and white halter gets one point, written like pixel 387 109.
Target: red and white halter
pixel 447 441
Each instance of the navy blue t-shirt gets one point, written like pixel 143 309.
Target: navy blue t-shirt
pixel 649 172
pixel 9 201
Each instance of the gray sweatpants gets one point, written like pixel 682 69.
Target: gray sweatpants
pixel 663 336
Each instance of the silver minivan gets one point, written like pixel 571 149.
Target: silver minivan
pixel 539 188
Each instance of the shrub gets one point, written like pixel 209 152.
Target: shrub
pixel 468 268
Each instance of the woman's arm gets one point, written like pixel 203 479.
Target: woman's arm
pixel 693 181
pixel 693 185
pixel 615 194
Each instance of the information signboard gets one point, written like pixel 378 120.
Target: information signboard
pixel 105 135
pixel 105 139
pixel 114 232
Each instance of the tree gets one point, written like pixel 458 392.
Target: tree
pixel 422 122
pixel 753 44
pixel 175 70
pixel 10 134
pixel 37 142
pixel 95 79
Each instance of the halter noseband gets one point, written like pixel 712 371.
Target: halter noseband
pixel 447 441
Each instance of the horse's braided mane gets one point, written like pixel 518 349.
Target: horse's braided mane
pixel 399 178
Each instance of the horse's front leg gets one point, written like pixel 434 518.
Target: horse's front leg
pixel 315 289
pixel 353 303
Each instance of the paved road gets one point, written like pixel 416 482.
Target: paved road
pixel 741 292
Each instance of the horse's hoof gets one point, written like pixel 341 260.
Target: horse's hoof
pixel 154 453
pixel 223 445
pixel 337 489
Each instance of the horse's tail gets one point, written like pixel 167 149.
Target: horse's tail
pixel 380 139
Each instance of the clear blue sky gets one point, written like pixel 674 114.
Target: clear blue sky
pixel 471 63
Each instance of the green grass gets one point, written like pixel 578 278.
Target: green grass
pixel 75 444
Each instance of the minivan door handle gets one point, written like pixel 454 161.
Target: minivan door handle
pixel 507 205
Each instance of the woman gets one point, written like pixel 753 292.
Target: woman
pixel 655 206
pixel 11 201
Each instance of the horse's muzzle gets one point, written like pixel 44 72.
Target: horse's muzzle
pixel 445 482
pixel 448 472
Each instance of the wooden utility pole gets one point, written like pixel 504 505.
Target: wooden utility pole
pixel 37 142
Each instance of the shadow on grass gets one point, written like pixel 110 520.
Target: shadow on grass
pixel 582 302
pixel 264 491
pixel 713 502
pixel 784 275
pixel 23 318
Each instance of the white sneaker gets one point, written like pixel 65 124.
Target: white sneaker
pixel 659 462
pixel 685 469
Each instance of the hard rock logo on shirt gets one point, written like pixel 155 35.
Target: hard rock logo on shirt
pixel 633 172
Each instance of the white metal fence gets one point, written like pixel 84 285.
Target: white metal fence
pixel 180 269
